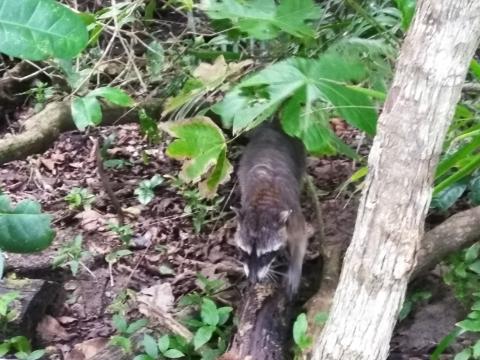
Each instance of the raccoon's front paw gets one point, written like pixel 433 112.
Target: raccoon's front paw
pixel 293 281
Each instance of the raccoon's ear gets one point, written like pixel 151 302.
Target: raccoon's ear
pixel 238 212
pixel 284 215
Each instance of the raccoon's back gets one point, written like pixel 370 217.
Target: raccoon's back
pixel 271 168
pixel 270 146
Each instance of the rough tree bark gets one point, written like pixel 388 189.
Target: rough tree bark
pixel 431 69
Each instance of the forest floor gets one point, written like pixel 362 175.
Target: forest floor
pixel 165 247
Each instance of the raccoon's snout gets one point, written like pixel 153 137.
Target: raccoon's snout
pixel 257 267
pixel 257 274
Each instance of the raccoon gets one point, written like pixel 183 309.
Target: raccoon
pixel 270 220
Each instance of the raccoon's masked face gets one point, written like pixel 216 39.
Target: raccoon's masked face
pixel 261 236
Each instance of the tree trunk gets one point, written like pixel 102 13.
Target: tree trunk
pixel 431 68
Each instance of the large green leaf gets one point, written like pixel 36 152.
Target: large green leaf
pixel 86 111
pixel 202 336
pixel 301 119
pixel 209 312
pixel 201 144
pixel 309 89
pixel 24 228
pixel 264 19
pixel 114 95
pixel 39 29
pixel 448 196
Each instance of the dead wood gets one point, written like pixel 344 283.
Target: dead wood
pixel 106 181
pixel 455 233
pixel 14 81
pixel 264 321
pixel 34 297
pixel 42 129
pixel 115 352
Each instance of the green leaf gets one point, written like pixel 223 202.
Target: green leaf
pixel 123 342
pixel 470 325
pixel 454 160
pixel 472 253
pixel 150 346
pixel 21 355
pixel 155 181
pixel 24 228
pixel 300 327
pixel 471 164
pixel 464 355
pixel 224 314
pixel 447 197
pixel 150 9
pixel 406 309
pixel 476 350
pixel 445 343
pixel 86 111
pixel 114 95
pixel 39 29
pixel 407 8
pixel 155 58
pixel 120 323
pixel 475 267
pixel 216 176
pixel 263 19
pixel 209 312
pixel 37 354
pixel 136 325
pixel 143 357
pixel 304 84
pixel 4 348
pixel 144 191
pixel 201 143
pixel 21 344
pixel 163 343
pixel 202 336
pixel 311 125
pixel 475 68
pixel 173 354
pixel 474 187
pixel 191 89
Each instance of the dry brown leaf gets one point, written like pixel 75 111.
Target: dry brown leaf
pixel 48 163
pixel 159 296
pixel 211 74
pixel 87 349
pixel 65 320
pixel 90 220
pixel 50 330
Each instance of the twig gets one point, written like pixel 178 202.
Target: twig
pixel 105 181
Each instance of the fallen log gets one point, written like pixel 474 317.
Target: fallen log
pixel 263 325
pixel 33 297
pixel 42 129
